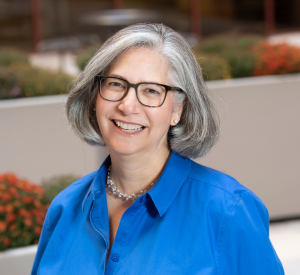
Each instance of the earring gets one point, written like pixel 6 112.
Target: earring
pixel 175 120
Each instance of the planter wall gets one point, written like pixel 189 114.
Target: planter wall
pixel 36 141
pixel 259 143
pixel 17 261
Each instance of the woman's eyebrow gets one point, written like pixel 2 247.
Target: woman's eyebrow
pixel 120 76
pixel 116 75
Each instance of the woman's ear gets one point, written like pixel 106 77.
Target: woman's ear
pixel 176 115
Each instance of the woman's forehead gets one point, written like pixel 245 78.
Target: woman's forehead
pixel 139 65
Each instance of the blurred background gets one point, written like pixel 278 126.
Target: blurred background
pixel 249 52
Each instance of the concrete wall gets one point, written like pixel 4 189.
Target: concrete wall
pixel 36 142
pixel 259 143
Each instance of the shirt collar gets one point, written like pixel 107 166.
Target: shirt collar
pixel 162 193
pixel 169 183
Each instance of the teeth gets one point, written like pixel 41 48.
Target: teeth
pixel 128 128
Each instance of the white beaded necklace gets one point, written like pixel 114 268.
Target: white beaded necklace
pixel 110 185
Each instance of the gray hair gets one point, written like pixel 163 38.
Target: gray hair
pixel 198 128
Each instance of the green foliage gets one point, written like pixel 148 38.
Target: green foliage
pixel 214 45
pixel 85 56
pixel 213 67
pixel 241 63
pixel 8 57
pixel 55 185
pixel 236 52
pixel 23 80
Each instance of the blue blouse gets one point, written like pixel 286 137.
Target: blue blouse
pixel 194 220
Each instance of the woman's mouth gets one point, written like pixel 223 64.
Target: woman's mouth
pixel 128 128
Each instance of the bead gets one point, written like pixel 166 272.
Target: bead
pixel 115 191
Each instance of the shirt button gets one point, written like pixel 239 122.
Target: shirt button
pixel 115 257
pixel 143 199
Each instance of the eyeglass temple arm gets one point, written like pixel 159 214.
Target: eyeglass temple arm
pixel 176 89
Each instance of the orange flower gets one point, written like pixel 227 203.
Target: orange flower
pixel 28 222
pixel 28 200
pixel 24 213
pixel 38 190
pixel 39 221
pixel 2 186
pixel 13 227
pixel 2 208
pixel 12 178
pixel 3 226
pixel 6 197
pixel 9 208
pixel 12 190
pixel 37 204
pixel 7 241
pixel 38 230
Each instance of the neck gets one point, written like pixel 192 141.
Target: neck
pixel 132 173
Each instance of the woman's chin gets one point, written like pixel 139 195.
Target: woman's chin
pixel 124 150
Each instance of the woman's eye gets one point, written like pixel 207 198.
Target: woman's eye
pixel 115 84
pixel 151 91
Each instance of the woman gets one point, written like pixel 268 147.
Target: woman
pixel 150 209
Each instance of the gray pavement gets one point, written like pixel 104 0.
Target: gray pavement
pixel 285 237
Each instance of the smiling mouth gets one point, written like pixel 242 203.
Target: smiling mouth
pixel 128 128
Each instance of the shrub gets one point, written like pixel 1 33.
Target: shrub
pixel 85 56
pixel 241 63
pixel 20 80
pixel 22 211
pixel 236 52
pixel 55 185
pixel 213 67
pixel 8 57
pixel 276 59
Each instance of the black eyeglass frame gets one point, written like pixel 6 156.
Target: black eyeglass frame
pixel 135 86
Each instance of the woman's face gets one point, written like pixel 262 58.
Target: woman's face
pixel 137 65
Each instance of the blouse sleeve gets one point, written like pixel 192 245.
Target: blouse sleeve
pixel 43 241
pixel 244 244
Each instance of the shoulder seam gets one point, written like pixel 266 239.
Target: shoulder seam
pixel 217 186
pixel 87 176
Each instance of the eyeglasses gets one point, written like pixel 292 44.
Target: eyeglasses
pixel 148 94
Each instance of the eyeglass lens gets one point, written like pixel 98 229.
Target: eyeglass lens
pixel 148 94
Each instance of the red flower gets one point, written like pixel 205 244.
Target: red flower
pixel 38 230
pixel 11 217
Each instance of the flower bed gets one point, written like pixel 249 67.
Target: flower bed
pixel 23 208
pixel 22 211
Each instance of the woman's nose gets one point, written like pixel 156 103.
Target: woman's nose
pixel 130 104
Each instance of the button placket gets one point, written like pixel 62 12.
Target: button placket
pixel 115 257
pixel 143 199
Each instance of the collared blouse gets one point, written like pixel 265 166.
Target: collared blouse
pixel 194 220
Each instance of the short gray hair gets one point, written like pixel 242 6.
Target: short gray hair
pixel 198 128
